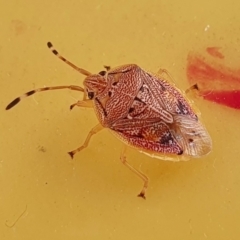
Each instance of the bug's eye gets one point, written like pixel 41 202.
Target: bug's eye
pixel 90 95
pixel 102 73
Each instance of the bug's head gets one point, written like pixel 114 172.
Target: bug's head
pixel 95 84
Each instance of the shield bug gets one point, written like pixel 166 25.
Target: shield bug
pixel 144 110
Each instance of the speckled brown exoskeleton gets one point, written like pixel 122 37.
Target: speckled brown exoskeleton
pixel 144 110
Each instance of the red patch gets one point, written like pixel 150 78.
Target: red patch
pixel 227 98
pixel 217 83
pixel 214 51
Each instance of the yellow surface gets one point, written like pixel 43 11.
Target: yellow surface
pixel 46 195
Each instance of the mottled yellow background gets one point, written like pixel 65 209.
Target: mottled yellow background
pixel 46 195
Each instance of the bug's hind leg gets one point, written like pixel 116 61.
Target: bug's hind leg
pixel 137 172
pixel 164 73
pixel 93 131
pixel 192 88
pixel 84 103
pixel 191 93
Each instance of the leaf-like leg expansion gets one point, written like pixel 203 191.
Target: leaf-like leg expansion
pixel 84 103
pixel 94 130
pixel 137 172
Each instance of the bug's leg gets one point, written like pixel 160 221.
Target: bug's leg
pixel 85 96
pixel 55 52
pixel 84 103
pixel 103 73
pixel 18 99
pixel 107 67
pixel 93 131
pixel 191 92
pixel 164 72
pixel 137 172
pixel 192 88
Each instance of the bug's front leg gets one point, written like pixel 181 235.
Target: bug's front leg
pixel 82 103
pixel 136 171
pixel 93 131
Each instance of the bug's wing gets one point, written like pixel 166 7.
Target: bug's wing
pixel 168 97
pixel 192 136
pixel 131 94
pixel 187 129
pixel 147 135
